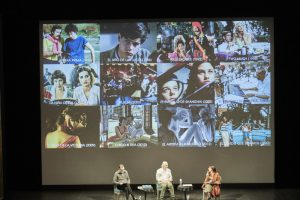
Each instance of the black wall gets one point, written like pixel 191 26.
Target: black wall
pixel 20 84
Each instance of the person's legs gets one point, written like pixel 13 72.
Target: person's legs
pixel 127 193
pixel 171 188
pixel 204 195
pixel 209 197
pixel 130 190
pixel 244 137
pixel 251 139
pixel 206 191
pixel 163 190
pixel 225 138
pixel 124 188
pixel 247 139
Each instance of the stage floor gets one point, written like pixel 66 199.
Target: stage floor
pixel 93 194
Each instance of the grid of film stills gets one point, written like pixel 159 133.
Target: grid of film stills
pixel 156 84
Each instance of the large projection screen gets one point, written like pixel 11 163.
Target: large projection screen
pixel 193 92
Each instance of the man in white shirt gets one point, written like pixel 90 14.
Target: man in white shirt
pixel 263 85
pixel 164 178
pixel 227 46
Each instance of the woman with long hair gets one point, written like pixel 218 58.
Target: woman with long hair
pixel 121 130
pixel 200 82
pixel 211 184
pixel 86 92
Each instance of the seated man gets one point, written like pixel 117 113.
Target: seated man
pixel 227 47
pixel 263 87
pixel 122 181
pixel 164 177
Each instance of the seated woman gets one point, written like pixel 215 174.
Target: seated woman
pixel 121 130
pixel 57 89
pixel 68 121
pixel 240 37
pixel 211 184
pixel 86 93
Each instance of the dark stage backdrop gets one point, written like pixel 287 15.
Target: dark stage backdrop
pixel 23 135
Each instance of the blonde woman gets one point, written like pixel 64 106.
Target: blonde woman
pixel 240 37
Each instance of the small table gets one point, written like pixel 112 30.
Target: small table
pixel 185 188
pixel 145 189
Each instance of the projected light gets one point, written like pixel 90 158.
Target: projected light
pixel 157 84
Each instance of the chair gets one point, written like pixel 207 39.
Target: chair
pixel 118 193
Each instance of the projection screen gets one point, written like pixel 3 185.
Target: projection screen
pixel 193 92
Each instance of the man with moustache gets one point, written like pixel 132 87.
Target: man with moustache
pixel 52 46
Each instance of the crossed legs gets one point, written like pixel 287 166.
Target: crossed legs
pixel 127 189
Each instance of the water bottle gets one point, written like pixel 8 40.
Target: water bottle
pixel 180 182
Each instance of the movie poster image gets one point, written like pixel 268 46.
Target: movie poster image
pixel 129 126
pixel 178 42
pixel 129 83
pixel 70 127
pixel 212 41
pixel 127 42
pixel 185 83
pixel 72 43
pixel 186 125
pixel 242 41
pixel 243 83
pixel 239 125
pixel 68 84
